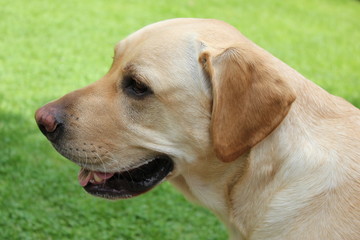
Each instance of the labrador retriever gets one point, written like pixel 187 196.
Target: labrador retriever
pixel 193 101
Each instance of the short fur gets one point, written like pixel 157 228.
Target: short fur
pixel 269 152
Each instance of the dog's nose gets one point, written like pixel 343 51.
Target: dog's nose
pixel 48 120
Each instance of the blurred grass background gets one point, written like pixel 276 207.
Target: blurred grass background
pixel 48 48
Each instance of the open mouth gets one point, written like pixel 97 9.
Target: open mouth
pixel 126 184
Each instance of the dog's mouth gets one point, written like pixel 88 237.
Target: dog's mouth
pixel 128 183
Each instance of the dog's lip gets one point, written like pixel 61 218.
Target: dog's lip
pixel 126 184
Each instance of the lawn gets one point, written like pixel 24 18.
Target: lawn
pixel 48 48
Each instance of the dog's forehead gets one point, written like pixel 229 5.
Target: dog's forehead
pixel 173 34
pixel 161 45
pixel 171 49
pixel 155 39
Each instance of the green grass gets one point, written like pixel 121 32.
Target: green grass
pixel 48 48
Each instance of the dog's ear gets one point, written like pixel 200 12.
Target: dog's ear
pixel 250 99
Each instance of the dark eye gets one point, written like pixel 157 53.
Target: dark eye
pixel 135 87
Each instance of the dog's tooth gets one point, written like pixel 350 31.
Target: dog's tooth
pixel 97 178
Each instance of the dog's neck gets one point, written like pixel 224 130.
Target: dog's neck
pixel 209 182
pixel 282 166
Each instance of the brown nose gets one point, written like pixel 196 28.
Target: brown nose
pixel 49 121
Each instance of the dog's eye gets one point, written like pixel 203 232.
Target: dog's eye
pixel 136 88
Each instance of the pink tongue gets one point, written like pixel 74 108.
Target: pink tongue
pixel 85 176
pixel 104 176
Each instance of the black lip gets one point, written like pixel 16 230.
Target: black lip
pixel 133 182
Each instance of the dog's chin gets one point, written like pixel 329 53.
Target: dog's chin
pixel 129 183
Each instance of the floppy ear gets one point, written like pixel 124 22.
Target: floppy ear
pixel 250 99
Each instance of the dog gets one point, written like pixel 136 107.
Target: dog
pixel 235 129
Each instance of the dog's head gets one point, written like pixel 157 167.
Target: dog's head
pixel 178 91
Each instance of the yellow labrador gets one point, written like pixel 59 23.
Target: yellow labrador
pixel 193 101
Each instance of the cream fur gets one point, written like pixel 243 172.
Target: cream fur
pixel 300 181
